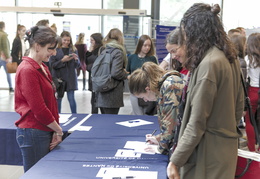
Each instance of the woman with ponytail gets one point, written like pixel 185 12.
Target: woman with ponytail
pixel 152 83
pixel 38 129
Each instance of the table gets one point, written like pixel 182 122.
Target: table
pixel 84 153
pixel 10 153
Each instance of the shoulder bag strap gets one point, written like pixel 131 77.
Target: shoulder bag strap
pixel 249 108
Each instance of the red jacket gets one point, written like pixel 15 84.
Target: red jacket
pixel 34 96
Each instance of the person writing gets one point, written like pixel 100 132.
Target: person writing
pixel 152 83
pixel 208 138
pixel 38 129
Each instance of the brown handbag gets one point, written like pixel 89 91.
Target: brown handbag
pixel 11 67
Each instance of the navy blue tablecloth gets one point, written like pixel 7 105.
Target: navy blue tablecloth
pixel 10 153
pixel 88 170
pixel 83 153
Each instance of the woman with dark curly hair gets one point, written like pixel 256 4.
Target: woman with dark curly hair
pixel 208 138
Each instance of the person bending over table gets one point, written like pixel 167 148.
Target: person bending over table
pixel 38 129
pixel 152 83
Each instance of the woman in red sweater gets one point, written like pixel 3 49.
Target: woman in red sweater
pixel 38 129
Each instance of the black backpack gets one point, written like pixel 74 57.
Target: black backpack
pixel 101 72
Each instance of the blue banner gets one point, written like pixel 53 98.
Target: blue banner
pixel 161 33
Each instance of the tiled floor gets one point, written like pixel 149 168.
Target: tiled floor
pixel 83 106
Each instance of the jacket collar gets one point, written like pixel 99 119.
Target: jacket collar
pixel 32 62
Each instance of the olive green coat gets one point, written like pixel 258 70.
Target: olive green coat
pixel 208 142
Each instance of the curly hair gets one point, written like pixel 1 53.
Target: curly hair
pixel 202 29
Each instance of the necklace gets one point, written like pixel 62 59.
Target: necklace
pixel 44 70
pixel 141 56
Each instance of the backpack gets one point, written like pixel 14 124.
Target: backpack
pixel 101 72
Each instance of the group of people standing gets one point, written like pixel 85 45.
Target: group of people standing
pixel 199 99
pixel 248 50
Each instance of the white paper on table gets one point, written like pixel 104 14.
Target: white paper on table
pixel 250 155
pixel 134 123
pixel 83 128
pixel 137 146
pixel 64 118
pixel 127 153
pixel 106 172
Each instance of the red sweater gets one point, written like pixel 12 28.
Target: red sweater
pixel 34 96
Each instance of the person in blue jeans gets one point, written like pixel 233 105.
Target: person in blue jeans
pixel 5 53
pixel 64 65
pixel 38 130
pixel 8 76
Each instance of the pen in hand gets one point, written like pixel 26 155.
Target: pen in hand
pixel 152 135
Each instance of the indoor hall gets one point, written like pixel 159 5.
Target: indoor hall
pixel 83 106
pixel 168 13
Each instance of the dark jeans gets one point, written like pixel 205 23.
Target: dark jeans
pixel 109 110
pixel 94 109
pixel 34 145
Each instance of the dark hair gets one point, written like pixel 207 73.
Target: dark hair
pixel 239 42
pixel 253 50
pixel 41 35
pixel 66 34
pixel 202 29
pixel 19 27
pixel 43 22
pixel 2 24
pixel 173 38
pixel 140 44
pixel 98 38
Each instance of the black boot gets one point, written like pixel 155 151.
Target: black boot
pixel 11 90
pixel 84 84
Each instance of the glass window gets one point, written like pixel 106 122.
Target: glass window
pixel 113 4
pixel 7 3
pixel 173 10
pixel 10 25
pixel 87 24
pixel 145 5
pixel 88 4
